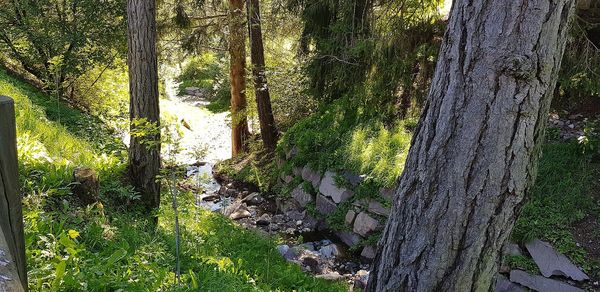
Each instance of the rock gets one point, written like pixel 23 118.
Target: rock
pixel 368 252
pixel 378 208
pixel 274 227
pixel 512 249
pixel 283 249
pixel 333 276
pixel 292 254
pixel 330 189
pixel 264 220
pixel 552 262
pixel 539 283
pixel 253 199
pixel 349 238
pixel 309 175
pixel 325 206
pixel 86 185
pixel 361 203
pixel 297 171
pixel 191 90
pixel 330 251
pixel 353 179
pixel 387 193
pixel 301 196
pixel 299 223
pixel 287 178
pixel 240 214
pixel 295 215
pixel 210 197
pixel 349 219
pixel 504 285
pixel 365 224
pixel 287 205
pixel 223 190
pixel 312 262
pixel 361 280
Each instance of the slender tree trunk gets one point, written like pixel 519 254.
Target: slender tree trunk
pixel 237 75
pixel 144 152
pixel 268 130
pixel 474 154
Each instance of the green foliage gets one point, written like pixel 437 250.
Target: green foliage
pixel 209 72
pixel 58 41
pixel 522 263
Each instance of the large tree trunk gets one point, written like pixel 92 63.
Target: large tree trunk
pixel 237 75
pixel 144 151
pixel 475 151
pixel 268 131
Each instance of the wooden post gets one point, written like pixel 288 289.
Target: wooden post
pixel 11 216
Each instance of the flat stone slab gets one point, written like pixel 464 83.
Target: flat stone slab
pixel 378 208
pixel 553 263
pixel 349 238
pixel 539 283
pixel 504 285
pixel 325 206
pixel 301 196
pixel 311 176
pixel 365 224
pixel 330 189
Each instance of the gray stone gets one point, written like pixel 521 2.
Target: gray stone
pixel 512 249
pixel 240 214
pixel 301 196
pixel 504 285
pixel 352 178
pixel 365 224
pixel 297 171
pixel 361 203
pixel 283 249
pixel 264 220
pixel 287 178
pixel 539 283
pixel 253 199
pixel 552 262
pixel 325 206
pixel 349 219
pixel 309 175
pixel 368 252
pixel 378 208
pixel 330 251
pixel 330 189
pixel 361 280
pixel 287 205
pixel 333 276
pixel 308 246
pixel 296 215
pixel 387 193
pixel 349 238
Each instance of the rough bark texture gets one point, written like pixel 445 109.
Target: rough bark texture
pixel 474 153
pixel 144 160
pixel 11 216
pixel 268 130
pixel 237 75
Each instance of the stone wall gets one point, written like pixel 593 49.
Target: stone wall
pixel 333 190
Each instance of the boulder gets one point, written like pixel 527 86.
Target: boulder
pixel 349 238
pixel 512 249
pixel 309 175
pixel 353 179
pixel 86 185
pixel 330 251
pixel 264 220
pixel 295 215
pixel 361 280
pixel 301 196
pixel 253 199
pixel 539 283
pixel 378 208
pixel 365 224
pixel 283 249
pixel 368 252
pixel 240 214
pixel 330 189
pixel 553 263
pixel 349 219
pixel 325 206
pixel 504 285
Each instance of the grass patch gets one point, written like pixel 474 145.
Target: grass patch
pixel 560 197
